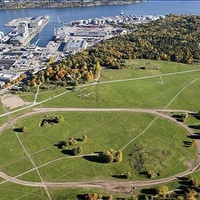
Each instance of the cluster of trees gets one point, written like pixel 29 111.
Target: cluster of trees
pixel 64 144
pixel 71 141
pixel 190 189
pixel 19 79
pixel 76 69
pixel 180 117
pixel 51 120
pixel 77 150
pixel 175 38
pixel 187 190
pixel 162 191
pixel 111 156
pixel 95 196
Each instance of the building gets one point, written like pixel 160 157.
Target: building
pixel 73 46
pixel 35 22
pixel 7 77
pixel 22 28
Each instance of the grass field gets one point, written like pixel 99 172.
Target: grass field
pixel 137 93
pixel 104 131
pixel 163 142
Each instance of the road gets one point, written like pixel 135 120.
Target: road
pixel 122 186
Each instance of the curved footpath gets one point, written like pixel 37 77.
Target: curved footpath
pixel 122 186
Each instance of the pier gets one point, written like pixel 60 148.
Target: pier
pixel 24 30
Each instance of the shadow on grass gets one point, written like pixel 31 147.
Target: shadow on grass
pixel 184 183
pixel 194 126
pixel 60 144
pixel 178 118
pixel 183 178
pixel 195 136
pixel 187 143
pixel 150 191
pixel 94 158
pixel 17 130
pixel 80 196
pixel 78 139
pixel 196 115
pixel 120 176
pixel 143 173
pixel 67 152
pixel 85 196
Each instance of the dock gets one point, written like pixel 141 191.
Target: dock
pixel 24 30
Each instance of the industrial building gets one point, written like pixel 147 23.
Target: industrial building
pixel 8 76
pixel 72 46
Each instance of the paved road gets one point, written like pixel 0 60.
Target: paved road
pixel 122 186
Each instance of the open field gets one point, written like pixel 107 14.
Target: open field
pixel 144 93
pixel 116 89
pixel 161 85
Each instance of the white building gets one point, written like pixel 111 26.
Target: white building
pixel 22 28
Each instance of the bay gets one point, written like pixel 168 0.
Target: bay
pixel 152 7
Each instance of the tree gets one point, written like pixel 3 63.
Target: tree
pixel 23 129
pixel 84 138
pixel 118 156
pixel 77 150
pixel 180 197
pixel 191 194
pixel 133 197
pixel 193 182
pixel 110 197
pixel 107 157
pixel 162 191
pixel 59 119
pixel 128 175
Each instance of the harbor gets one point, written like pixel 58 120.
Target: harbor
pixel 18 56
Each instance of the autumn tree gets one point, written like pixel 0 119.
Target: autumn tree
pixel 162 191
pixel 118 156
pixel 23 129
pixel 84 138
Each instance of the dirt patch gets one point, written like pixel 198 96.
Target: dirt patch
pixel 12 101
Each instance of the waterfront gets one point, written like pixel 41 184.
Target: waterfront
pixel 70 14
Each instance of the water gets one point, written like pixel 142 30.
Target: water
pixel 153 7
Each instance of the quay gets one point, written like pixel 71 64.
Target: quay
pixel 24 30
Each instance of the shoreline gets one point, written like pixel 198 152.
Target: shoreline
pixel 45 4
